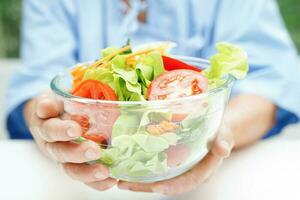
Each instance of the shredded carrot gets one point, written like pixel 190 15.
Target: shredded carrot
pixel 161 128
pixel 96 64
pixel 109 57
pixel 144 51
pixel 161 49
pixel 131 61
pixel 78 74
pixel 103 62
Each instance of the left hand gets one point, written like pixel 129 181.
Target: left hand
pixel 199 174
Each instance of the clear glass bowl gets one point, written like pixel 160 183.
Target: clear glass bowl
pixel 149 141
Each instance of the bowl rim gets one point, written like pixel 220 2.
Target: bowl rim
pixel 228 80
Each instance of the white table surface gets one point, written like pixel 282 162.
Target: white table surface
pixel 268 170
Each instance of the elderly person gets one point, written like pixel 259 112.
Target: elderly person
pixel 57 34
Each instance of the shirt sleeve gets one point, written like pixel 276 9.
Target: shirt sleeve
pixel 48 47
pixel 257 27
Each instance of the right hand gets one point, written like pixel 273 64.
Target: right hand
pixel 54 137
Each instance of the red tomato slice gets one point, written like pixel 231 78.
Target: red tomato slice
pixel 94 89
pixel 176 84
pixel 98 138
pixel 173 64
pixel 178 117
pixel 83 121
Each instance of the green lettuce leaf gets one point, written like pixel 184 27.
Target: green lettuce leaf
pixel 148 68
pixel 128 43
pixel 136 153
pixel 158 163
pixel 126 124
pixel 157 63
pixel 150 143
pixel 119 67
pixel 109 156
pixel 171 138
pixel 230 59
pixel 119 85
pixel 108 51
pixel 144 91
pixel 136 97
pixel 152 116
pixel 144 73
pixel 104 75
pixel 126 81
pixel 141 164
pixel 126 146
pixel 136 88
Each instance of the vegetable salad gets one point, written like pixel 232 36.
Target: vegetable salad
pixel 150 141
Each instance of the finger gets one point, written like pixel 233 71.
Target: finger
pixel 71 152
pixel 86 173
pixel 182 183
pixel 103 185
pixel 224 143
pixel 55 129
pixel 137 187
pixel 47 106
pixel 34 127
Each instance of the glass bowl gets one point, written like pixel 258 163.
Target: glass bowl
pixel 148 141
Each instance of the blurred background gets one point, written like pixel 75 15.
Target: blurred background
pixel 10 17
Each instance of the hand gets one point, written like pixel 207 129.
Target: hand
pixel 54 137
pixel 200 173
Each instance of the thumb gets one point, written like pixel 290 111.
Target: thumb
pixel 224 142
pixel 48 106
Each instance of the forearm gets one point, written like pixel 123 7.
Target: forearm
pixel 249 117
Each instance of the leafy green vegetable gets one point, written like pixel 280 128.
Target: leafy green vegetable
pixel 119 85
pixel 152 116
pixel 136 97
pixel 104 75
pixel 108 51
pixel 148 68
pixel 134 151
pixel 119 67
pixel 136 88
pixel 157 63
pixel 171 138
pixel 138 154
pixel 144 72
pixel 126 124
pixel 230 59
pixel 109 156
pixel 133 88
pixel 150 143
pixel 137 79
pixel 141 164
pixel 128 43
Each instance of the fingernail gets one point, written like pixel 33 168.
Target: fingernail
pixel 100 176
pixel 92 154
pixel 160 190
pixel 224 145
pixel 73 132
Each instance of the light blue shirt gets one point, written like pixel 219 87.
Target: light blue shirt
pixel 56 34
